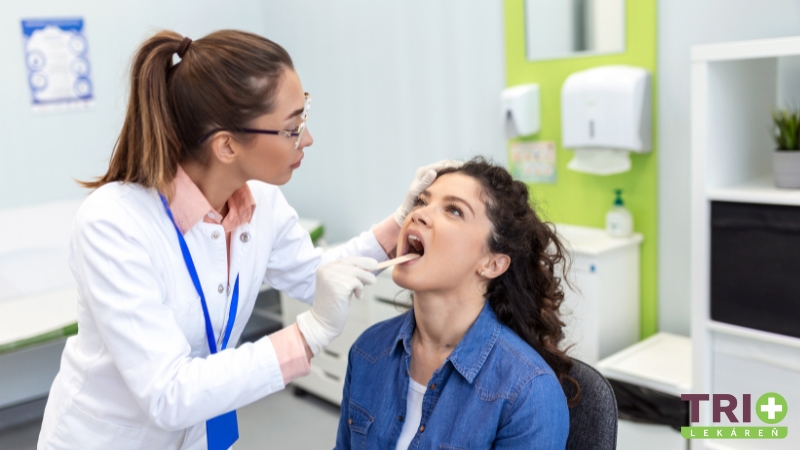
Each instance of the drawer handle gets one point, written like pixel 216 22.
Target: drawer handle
pixel 331 354
pixel 331 376
pixel 393 302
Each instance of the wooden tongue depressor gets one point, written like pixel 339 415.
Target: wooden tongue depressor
pixel 400 260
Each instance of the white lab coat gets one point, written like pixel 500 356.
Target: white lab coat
pixel 139 374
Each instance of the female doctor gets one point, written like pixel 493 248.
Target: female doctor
pixel 170 250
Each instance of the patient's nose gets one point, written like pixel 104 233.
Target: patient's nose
pixel 418 216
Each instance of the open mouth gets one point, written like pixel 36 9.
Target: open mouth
pixel 415 245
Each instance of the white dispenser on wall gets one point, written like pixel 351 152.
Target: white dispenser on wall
pixel 606 113
pixel 521 110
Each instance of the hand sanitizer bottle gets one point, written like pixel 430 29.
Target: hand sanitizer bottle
pixel 619 222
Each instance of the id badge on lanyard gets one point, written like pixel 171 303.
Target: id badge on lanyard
pixel 221 431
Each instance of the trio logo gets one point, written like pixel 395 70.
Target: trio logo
pixel 770 408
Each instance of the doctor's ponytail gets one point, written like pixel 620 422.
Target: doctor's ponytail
pixel 223 80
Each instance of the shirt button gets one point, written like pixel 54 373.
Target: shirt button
pixel 215 235
pixel 220 288
pixel 245 237
pixel 350 421
pixel 422 429
pixel 399 418
pixel 433 386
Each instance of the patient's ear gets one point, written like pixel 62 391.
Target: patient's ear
pixel 494 265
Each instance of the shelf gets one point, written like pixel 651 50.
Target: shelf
pixel 758 190
pixel 756 335
pixel 662 362
pixel 762 48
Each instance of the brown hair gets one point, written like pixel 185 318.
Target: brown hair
pixel 526 298
pixel 224 80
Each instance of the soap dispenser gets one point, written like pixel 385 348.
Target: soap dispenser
pixel 619 221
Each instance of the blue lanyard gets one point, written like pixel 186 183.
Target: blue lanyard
pixel 221 431
pixel 187 257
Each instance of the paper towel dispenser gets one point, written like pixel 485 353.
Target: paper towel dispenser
pixel 521 110
pixel 606 112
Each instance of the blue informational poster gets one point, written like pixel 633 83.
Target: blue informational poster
pixel 56 55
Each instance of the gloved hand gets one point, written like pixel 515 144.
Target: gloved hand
pixel 336 282
pixel 423 177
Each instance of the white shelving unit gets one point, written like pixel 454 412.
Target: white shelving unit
pixel 734 88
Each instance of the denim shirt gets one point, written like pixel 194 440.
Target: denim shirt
pixel 493 391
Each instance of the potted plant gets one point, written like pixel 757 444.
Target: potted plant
pixel 786 157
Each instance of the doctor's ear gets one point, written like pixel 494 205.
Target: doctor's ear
pixel 494 265
pixel 222 147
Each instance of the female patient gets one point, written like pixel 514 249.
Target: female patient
pixel 476 363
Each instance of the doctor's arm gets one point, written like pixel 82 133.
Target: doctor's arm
pixel 125 295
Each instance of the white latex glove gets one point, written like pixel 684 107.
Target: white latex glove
pixel 423 177
pixel 336 282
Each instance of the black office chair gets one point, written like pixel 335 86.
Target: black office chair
pixel 593 421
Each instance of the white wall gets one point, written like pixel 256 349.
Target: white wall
pixel 41 154
pixel 394 85
pixel 681 24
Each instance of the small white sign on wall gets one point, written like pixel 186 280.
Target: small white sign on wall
pixel 56 56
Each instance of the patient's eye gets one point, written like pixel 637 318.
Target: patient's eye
pixel 455 210
pixel 419 202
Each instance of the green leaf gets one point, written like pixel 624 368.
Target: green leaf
pixel 787 127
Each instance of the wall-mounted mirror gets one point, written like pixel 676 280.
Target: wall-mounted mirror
pixel 568 28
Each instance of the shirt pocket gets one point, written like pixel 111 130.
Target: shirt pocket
pixel 359 421
pixel 78 429
pixel 188 313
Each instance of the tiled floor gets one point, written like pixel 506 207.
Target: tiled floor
pixel 279 421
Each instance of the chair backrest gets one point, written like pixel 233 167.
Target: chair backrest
pixel 593 421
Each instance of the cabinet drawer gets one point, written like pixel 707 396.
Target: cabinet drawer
pixel 384 309
pixel 333 364
pixel 386 289
pixel 341 345
pixel 321 384
pixel 744 366
pixel 755 254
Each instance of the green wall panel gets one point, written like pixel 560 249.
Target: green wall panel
pixel 583 199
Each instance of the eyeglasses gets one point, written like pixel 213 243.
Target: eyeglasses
pixel 296 133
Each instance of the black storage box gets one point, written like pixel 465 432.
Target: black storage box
pixel 755 266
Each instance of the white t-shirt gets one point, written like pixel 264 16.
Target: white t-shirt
pixel 416 392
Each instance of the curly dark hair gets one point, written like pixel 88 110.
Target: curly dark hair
pixel 526 298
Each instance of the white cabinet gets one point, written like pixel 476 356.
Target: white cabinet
pixel 602 311
pixel 662 362
pixel 380 302
pixel 735 86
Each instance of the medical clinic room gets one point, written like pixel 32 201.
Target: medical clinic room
pixel 415 224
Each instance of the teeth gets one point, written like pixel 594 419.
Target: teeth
pixel 415 243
